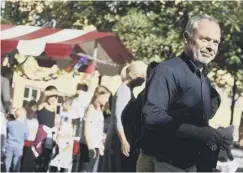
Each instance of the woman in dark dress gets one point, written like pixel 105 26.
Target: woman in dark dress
pixel 117 147
pixel 131 120
pixel 107 122
pixel 46 119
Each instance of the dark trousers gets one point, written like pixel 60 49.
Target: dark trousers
pixel 87 162
pixel 27 164
pixel 3 167
pixel 43 160
pixel 101 164
pixel 55 169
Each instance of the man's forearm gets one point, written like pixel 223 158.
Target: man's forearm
pixel 159 121
pixel 188 131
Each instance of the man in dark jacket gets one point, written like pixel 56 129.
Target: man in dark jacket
pixel 178 104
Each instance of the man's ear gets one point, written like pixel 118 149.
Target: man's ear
pixel 186 37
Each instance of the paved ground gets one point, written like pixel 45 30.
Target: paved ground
pixel 238 155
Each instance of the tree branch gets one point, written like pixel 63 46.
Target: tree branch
pixel 238 97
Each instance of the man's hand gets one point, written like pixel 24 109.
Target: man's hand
pixel 227 148
pixel 209 135
pixel 226 142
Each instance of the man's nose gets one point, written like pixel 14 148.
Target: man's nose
pixel 210 46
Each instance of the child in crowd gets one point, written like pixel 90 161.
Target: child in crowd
pixel 27 164
pixel 32 120
pixel 17 133
pixel 65 127
pixel 92 140
pixel 46 115
pixel 64 139
pixel 65 114
pixel 80 103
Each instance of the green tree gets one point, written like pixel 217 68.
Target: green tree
pixel 152 30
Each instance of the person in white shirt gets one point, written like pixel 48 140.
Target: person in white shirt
pixel 92 139
pixel 27 164
pixel 65 130
pixel 79 105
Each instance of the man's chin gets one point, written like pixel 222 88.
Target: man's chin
pixel 205 61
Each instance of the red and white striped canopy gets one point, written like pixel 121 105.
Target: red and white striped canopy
pixel 61 43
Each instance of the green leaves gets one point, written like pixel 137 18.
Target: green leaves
pixel 152 30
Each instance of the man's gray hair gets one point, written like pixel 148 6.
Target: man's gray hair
pixel 194 21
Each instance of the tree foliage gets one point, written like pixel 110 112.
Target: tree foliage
pixel 152 30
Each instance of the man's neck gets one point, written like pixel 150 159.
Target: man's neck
pixel 197 63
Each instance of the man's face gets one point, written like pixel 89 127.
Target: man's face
pixel 203 47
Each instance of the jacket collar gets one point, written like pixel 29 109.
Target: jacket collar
pixel 193 67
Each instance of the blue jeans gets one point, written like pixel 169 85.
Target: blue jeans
pixel 14 153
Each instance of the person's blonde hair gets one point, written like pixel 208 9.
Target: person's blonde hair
pixel 123 73
pixel 99 91
pixel 133 69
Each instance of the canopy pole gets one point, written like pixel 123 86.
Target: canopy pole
pixel 95 52
pixel 94 57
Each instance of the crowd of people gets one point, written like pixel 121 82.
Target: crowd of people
pixel 164 129
pixel 32 131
